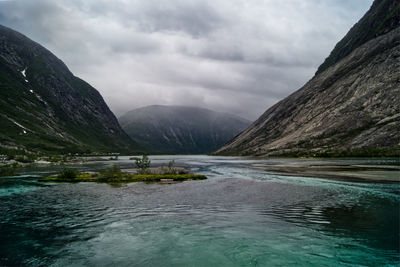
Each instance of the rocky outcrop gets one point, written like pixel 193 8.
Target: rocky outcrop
pixel 44 107
pixel 181 130
pixel 350 108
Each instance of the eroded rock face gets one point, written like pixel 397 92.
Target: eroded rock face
pixel 352 106
pixel 45 107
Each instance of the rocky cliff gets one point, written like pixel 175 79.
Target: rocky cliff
pixel 182 130
pixel 44 107
pixel 351 107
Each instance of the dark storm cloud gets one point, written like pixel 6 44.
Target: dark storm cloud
pixel 229 55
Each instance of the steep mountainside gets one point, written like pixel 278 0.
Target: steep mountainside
pixel 349 108
pixel 44 107
pixel 383 16
pixel 183 130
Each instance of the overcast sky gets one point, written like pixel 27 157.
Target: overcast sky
pixel 236 56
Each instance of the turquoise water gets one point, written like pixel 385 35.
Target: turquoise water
pixel 240 216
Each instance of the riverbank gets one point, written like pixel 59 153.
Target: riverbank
pixel 318 168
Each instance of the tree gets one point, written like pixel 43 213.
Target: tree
pixel 111 172
pixel 171 169
pixel 143 164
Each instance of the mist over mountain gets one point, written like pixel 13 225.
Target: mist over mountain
pixel 350 107
pixel 44 107
pixel 180 129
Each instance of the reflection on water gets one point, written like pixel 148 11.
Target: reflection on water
pixel 240 216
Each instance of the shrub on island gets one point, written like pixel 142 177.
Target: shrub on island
pixel 68 174
pixel 113 174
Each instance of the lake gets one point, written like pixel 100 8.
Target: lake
pixel 244 214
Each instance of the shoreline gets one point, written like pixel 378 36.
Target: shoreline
pixel 348 173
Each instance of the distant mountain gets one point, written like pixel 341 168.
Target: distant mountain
pixel 179 129
pixel 350 107
pixel 44 107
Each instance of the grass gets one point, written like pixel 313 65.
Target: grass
pixel 114 174
pixel 124 178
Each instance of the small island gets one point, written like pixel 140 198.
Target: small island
pixel 126 178
pixel 113 174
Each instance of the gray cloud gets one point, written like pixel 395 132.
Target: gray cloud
pixel 234 56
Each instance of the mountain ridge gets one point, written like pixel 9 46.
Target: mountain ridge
pixel 45 108
pixel 181 129
pixel 382 17
pixel 349 109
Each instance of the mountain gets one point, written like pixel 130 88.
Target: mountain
pixel 180 129
pixel 351 107
pixel 381 18
pixel 45 108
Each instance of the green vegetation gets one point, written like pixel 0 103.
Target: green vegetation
pixel 361 152
pixel 79 126
pixel 9 170
pixel 24 159
pixel 126 178
pixel 336 153
pixel 83 177
pixel 171 169
pixel 143 164
pixel 68 174
pixel 17 155
pixel 113 174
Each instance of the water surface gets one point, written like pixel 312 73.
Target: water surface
pixel 243 215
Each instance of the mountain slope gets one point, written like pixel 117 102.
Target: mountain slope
pixel 182 130
pixel 382 17
pixel 44 107
pixel 350 108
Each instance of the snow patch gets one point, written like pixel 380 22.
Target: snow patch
pixel 41 99
pixel 26 81
pixel 176 137
pixel 23 72
pixel 165 137
pixel 31 91
pixel 24 129
pixel 16 123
